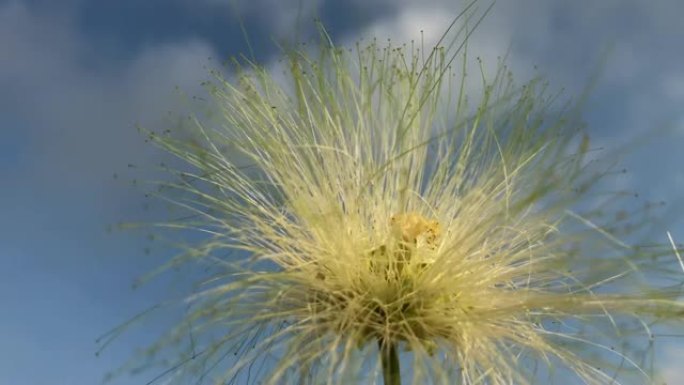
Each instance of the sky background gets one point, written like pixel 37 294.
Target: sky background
pixel 77 75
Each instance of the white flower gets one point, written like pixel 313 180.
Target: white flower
pixel 389 223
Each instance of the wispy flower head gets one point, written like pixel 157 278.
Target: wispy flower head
pixel 388 219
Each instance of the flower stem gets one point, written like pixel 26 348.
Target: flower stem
pixel 389 356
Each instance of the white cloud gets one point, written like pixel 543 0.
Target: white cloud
pixel 408 24
pixel 81 119
pixel 568 42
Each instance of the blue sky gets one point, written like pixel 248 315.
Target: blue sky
pixel 77 75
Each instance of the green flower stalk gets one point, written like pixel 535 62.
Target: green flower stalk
pixel 392 232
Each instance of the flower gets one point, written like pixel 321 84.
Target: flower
pixel 392 231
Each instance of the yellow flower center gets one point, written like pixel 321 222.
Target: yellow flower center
pixel 414 229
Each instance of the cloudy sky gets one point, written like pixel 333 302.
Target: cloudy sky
pixel 77 75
